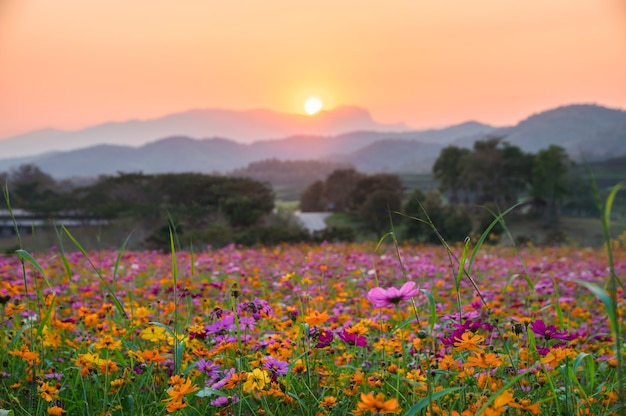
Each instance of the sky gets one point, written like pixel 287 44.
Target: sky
pixel 70 64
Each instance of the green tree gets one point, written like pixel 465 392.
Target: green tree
pixel 377 208
pixel 516 175
pixel 367 185
pixel 432 210
pixel 33 189
pixel 550 178
pixel 338 188
pixel 312 199
pixel 448 170
pixel 412 207
pixel 457 224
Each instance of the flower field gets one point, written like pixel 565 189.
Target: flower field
pixel 331 329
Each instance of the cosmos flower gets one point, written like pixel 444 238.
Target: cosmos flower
pixel 549 331
pixel 275 365
pixel 353 339
pixel 377 405
pixel 324 338
pixel 383 298
pixel 256 380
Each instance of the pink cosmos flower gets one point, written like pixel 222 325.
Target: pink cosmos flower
pixel 383 298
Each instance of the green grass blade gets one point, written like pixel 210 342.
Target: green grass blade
pixel 602 294
pixel 495 395
pixel 25 255
pixel 422 404
pixel 114 297
pixel 485 234
pixel 515 276
pixel 433 308
pixel 608 206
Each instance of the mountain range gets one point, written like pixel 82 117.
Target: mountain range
pixel 194 141
pixel 241 126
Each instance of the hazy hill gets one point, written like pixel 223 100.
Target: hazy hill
pixel 393 155
pixel 240 126
pixel 594 131
pixel 181 154
pixel 569 127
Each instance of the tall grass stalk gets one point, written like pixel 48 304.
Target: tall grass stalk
pixel 612 307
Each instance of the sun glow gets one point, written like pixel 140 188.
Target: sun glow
pixel 313 105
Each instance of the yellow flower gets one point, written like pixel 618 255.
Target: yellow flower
pixel 154 333
pixel 256 380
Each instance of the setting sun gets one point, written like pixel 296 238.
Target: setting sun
pixel 313 105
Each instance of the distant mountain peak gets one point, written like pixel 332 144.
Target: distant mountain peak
pixel 243 126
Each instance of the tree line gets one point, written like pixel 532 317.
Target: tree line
pixel 227 209
pixel 473 185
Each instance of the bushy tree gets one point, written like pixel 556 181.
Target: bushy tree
pixel 312 199
pixel 378 208
pixel 550 178
pixel 366 186
pixel 338 189
pixel 453 222
pixel 448 170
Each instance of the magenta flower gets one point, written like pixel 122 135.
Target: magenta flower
pixel 549 331
pixel 353 339
pixel 382 298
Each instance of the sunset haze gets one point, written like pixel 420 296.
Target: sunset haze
pixel 70 64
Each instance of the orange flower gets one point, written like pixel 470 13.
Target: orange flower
pixel 315 318
pixel 48 392
pixel 483 360
pixel 329 401
pixel 469 342
pixel 175 405
pixel 109 343
pixel 497 408
pixel 556 355
pixel 152 355
pixel 180 388
pixel 377 405
pixel 107 366
pixel 56 411
pixel 525 404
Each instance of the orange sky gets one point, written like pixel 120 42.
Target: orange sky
pixel 73 63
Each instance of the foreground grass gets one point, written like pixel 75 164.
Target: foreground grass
pixel 290 331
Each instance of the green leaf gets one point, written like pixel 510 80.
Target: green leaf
pixel 422 404
pixel 515 276
pixel 606 300
pixel 80 248
pixel 207 392
pixel 485 233
pixel 433 308
pixel 4 412
pixel 494 396
pixel 25 255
